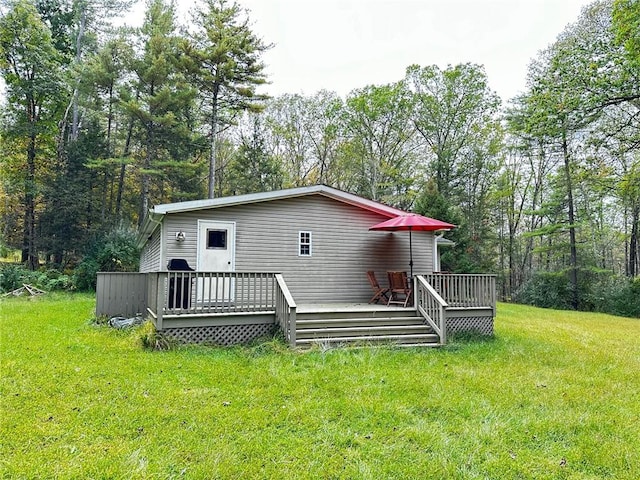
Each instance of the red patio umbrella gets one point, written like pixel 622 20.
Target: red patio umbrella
pixel 411 222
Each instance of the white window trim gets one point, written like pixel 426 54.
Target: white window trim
pixel 300 244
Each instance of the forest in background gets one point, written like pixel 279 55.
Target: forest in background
pixel 101 122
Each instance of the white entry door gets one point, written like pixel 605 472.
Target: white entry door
pixel 216 253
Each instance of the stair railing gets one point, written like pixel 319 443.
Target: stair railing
pixel 432 307
pixel 285 310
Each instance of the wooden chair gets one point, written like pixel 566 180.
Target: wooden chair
pixel 379 293
pixel 399 288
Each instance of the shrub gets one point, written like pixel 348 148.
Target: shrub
pixel 114 252
pixel 547 290
pixel 597 291
pixel 152 339
pixel 619 296
pixel 13 276
pixel 54 280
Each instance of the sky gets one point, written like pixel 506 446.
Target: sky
pixel 341 45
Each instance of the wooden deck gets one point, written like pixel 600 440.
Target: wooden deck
pixel 239 308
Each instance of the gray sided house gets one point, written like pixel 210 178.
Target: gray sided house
pixel 229 269
pixel 317 237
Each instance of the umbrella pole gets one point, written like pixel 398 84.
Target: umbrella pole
pixel 410 255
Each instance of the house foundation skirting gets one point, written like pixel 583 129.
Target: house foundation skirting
pixel 222 334
pixel 481 325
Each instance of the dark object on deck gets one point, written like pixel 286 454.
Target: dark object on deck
pixel 379 293
pixel 179 264
pixel 179 283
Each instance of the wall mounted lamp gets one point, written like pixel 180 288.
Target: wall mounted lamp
pixel 180 236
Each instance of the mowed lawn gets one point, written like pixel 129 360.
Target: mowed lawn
pixel 555 395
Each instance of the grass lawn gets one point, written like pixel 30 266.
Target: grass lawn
pixel 555 395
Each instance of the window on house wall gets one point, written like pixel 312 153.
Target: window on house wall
pixel 304 248
pixel 217 239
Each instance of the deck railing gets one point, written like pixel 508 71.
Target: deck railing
pixel 432 307
pixel 178 292
pixel 285 311
pixel 465 290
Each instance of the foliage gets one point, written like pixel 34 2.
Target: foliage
pixel 223 58
pixel 554 395
pixel 571 184
pixel 13 276
pixel 547 290
pixel 32 70
pixel 626 23
pixel 152 339
pixel 100 123
pixel 115 251
pixel 378 122
pixel 252 169
pixel 598 291
pixel 616 295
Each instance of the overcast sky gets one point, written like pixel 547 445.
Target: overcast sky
pixel 340 45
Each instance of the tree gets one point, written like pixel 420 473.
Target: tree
pixel 455 113
pixel 252 168
pixel 576 129
pixel 305 134
pixel 377 122
pixel 163 100
pixel 225 66
pixel 626 27
pixel 456 117
pixel 31 68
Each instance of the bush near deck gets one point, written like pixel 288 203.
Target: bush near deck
pixel 554 395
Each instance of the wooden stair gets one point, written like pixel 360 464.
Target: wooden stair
pixel 329 327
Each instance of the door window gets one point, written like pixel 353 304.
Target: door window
pixel 216 239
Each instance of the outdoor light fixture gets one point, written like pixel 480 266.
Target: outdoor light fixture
pixel 180 236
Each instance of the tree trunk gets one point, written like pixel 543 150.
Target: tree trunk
pixel 29 251
pixel 633 242
pixel 75 122
pixel 123 167
pixel 573 260
pixel 212 153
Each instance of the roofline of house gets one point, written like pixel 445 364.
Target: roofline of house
pixel 155 214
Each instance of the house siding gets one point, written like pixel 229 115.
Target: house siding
pixel 343 248
pixel 151 255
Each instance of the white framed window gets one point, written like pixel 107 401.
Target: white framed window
pixel 304 244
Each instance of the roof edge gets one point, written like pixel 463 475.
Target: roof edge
pixel 325 190
pixel 151 222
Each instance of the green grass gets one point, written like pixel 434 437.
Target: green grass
pixel 556 395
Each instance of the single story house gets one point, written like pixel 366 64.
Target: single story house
pixel 224 264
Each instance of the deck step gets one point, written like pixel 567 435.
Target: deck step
pixel 356 321
pixel 323 314
pixel 430 339
pixel 387 325
pixel 363 330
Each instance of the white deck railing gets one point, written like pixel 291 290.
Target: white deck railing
pixel 432 307
pixel 285 311
pixel 179 293
pixel 465 290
